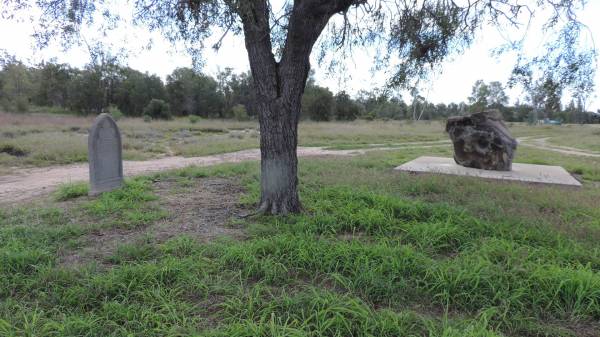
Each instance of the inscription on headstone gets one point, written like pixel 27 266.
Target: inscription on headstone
pixel 105 155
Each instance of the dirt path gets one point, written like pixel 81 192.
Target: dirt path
pixel 31 183
pixel 543 144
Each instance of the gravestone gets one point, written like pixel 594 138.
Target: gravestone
pixel 105 155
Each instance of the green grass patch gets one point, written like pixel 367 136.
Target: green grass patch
pixel 376 253
pixel 71 191
pixel 129 206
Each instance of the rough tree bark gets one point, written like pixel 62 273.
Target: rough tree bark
pixel 279 87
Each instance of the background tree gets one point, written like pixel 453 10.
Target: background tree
pixel 135 90
pixel 497 98
pixel 158 109
pixel 279 42
pixel 193 93
pixel 550 93
pixel 345 108
pixel 489 96
pixel 87 92
pixel 181 91
pixel 236 89
pixel 52 84
pixel 317 103
pixel 225 82
pixel 17 85
pixel 381 104
pixel 479 96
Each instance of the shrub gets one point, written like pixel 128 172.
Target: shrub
pixel 147 119
pixel 5 105
pixel 345 109
pixel 370 116
pixel 115 112
pixel 158 109
pixel 57 110
pixel 239 112
pixel 13 150
pixel 317 103
pixel 21 104
pixel 194 119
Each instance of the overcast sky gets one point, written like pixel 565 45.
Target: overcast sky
pixel 452 84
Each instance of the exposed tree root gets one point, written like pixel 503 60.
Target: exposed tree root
pixel 283 207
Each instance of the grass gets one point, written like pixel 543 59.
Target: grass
pixel 71 191
pixel 128 207
pixel 585 137
pixel 39 139
pixel 43 139
pixel 376 253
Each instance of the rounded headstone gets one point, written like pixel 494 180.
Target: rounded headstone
pixel 105 155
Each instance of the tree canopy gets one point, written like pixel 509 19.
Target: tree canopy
pixel 410 37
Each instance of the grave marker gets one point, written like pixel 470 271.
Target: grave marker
pixel 105 155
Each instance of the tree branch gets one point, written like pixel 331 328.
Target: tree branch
pixel 257 36
pixel 307 21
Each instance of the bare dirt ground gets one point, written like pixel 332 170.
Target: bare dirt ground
pixel 31 183
pixel 202 211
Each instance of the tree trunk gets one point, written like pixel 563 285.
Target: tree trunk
pixel 279 161
pixel 279 87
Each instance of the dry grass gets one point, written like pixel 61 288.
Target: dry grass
pixel 48 139
pixel 369 132
pixel 585 137
pixel 42 120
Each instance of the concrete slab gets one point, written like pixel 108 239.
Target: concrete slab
pixel 520 172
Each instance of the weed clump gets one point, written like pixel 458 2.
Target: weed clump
pixel 194 119
pixel 127 207
pixel 71 191
pixel 12 150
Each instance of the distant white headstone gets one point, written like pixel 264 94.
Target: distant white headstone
pixel 105 155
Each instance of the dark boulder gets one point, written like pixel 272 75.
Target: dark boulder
pixel 482 141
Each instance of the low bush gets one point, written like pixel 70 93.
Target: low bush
pixel 21 104
pixel 13 150
pixel 240 113
pixel 194 119
pixel 158 109
pixel 115 112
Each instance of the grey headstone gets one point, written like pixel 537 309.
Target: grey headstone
pixel 105 155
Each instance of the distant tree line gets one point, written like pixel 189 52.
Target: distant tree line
pixel 543 102
pixel 108 86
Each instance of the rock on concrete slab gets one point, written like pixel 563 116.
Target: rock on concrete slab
pixel 482 141
pixel 543 174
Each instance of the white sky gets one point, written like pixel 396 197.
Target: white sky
pixel 452 84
